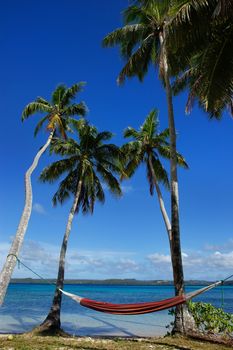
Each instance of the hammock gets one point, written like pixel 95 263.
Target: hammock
pixel 139 308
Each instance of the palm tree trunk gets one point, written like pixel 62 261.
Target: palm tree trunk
pixel 52 323
pixel 161 202
pixel 14 251
pixel 183 320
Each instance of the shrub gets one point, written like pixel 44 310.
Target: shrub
pixel 211 319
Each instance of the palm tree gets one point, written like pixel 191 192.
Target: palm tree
pixel 209 71
pixel 143 40
pixel 87 165
pixel 57 114
pixel 147 147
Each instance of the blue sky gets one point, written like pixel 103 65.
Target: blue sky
pixel 44 43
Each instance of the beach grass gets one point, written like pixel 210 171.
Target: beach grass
pixel 28 342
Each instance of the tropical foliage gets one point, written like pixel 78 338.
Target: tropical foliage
pixel 59 111
pixel 58 115
pixel 147 146
pixel 211 319
pixel 87 165
pixel 144 40
pixel 209 56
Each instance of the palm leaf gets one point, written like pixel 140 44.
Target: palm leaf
pixel 75 109
pixel 139 61
pixel 109 179
pixel 35 107
pixel 160 171
pixel 131 132
pixel 129 33
pixel 52 172
pixel 150 125
pixel 66 147
pixel 40 124
pixel 58 94
pixel 70 93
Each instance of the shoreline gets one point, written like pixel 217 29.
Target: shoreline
pixel 111 282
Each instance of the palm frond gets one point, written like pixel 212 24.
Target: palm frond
pixel 66 147
pixel 40 124
pixel 35 107
pixel 52 172
pixel 183 10
pixel 66 188
pixel 84 160
pixel 40 99
pixel 223 9
pixel 75 109
pixel 130 33
pixel 103 136
pixel 149 127
pixel 162 137
pixel 70 93
pixel 131 132
pixel 139 61
pixel 210 75
pixel 160 171
pixel 110 180
pixel 165 152
pixel 58 94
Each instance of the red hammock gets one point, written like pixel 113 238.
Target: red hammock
pixel 132 309
pixel 139 308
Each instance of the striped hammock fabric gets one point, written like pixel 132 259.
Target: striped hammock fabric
pixel 139 308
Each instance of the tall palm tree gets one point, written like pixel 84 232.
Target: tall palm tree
pixel 143 40
pixel 57 114
pixel 87 164
pixel 147 147
pixel 209 71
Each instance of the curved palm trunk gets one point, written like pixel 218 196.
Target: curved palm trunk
pixel 161 202
pixel 14 251
pixel 52 323
pixel 183 320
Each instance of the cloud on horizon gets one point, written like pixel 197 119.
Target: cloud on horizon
pixel 43 259
pixel 198 265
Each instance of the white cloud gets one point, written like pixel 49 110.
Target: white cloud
pixel 158 258
pixel 197 265
pixel 38 208
pixel 43 258
pixel 126 189
pixel 224 247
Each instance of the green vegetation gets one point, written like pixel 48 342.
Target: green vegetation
pixel 143 41
pixel 27 342
pixel 211 319
pixel 58 113
pixel 86 165
pixel 146 147
pixel 207 52
pixel 190 42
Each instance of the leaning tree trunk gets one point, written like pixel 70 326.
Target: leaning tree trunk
pixel 52 323
pixel 184 322
pixel 14 251
pixel 161 202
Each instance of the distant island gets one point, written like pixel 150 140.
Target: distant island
pixel 115 281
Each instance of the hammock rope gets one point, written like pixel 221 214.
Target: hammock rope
pixel 131 309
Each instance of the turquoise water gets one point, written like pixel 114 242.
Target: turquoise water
pixel 26 305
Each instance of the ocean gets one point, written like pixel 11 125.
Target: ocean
pixel 26 305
